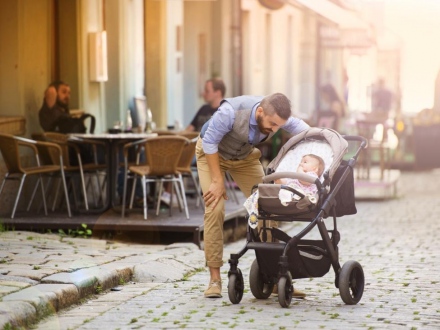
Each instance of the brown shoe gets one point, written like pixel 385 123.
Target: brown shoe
pixel 214 290
pixel 296 293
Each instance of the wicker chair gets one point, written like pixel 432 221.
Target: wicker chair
pixel 10 147
pixel 185 164
pixel 91 168
pixel 162 154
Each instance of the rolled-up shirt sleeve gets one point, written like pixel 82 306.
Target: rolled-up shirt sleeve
pixel 220 124
pixel 295 125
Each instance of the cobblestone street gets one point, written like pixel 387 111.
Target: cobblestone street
pixel 396 242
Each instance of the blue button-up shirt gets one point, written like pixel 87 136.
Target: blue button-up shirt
pixel 223 119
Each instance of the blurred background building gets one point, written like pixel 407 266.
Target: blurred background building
pixel 110 51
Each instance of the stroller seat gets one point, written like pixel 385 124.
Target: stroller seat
pixel 286 163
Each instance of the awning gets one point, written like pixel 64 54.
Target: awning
pixel 340 16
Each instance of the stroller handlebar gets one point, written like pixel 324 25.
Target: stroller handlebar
pixel 290 175
pixel 361 139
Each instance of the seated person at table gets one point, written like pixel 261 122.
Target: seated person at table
pixel 55 105
pixel 54 116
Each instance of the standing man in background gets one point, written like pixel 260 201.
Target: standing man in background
pixel 215 91
pixel 382 99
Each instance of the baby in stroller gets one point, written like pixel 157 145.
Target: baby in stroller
pixel 280 257
pixel 310 164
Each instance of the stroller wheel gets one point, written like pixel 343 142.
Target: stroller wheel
pixel 285 290
pixel 236 287
pixel 351 282
pixel 259 289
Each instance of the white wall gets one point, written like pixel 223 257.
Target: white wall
pixel 306 90
pixel 272 52
pixel 175 62
pixel 92 94
pixel 126 68
pixel 195 25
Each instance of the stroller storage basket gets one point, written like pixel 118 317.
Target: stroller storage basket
pixel 308 259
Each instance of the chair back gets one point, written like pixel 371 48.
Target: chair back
pixel 44 152
pixel 188 152
pixel 163 153
pixel 62 141
pixel 11 156
pixel 189 135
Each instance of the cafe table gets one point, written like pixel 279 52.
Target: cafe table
pixel 112 143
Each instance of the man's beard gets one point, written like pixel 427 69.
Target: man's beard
pixel 261 128
pixel 63 105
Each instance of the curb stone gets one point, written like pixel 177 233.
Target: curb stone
pixel 36 299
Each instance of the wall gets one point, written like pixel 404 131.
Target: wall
pixel 272 53
pixel 68 48
pixel 174 61
pixel 91 94
pixel 155 60
pixel 197 31
pixel 24 58
pixel 306 89
pixel 9 59
pixel 125 32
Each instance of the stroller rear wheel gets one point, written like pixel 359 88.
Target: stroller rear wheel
pixel 259 288
pixel 285 290
pixel 236 287
pixel 351 282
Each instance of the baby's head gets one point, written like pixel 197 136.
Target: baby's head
pixel 311 163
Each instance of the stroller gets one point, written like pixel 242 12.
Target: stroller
pixel 284 258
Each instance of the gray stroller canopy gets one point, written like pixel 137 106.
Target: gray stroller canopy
pixel 337 143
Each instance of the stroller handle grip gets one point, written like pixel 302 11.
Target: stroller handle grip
pixel 290 175
pixel 361 139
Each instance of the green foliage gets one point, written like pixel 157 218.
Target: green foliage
pixel 4 228
pixel 83 232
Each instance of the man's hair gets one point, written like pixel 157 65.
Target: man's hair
pixel 277 103
pixel 218 85
pixel 57 84
pixel 321 165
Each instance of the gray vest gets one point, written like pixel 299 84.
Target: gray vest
pixel 235 144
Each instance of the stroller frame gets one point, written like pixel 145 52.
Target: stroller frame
pixel 297 257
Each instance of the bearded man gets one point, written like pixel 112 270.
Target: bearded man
pixel 55 106
pixel 227 143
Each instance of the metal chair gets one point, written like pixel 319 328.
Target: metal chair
pixel 185 164
pixel 10 147
pixel 94 167
pixel 162 154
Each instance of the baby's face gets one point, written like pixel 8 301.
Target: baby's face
pixel 308 164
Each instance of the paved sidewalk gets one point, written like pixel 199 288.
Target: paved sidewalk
pixel 396 241
pixel 44 273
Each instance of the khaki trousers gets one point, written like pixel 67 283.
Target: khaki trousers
pixel 246 173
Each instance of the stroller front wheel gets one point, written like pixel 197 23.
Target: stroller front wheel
pixel 285 290
pixel 351 282
pixel 236 287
